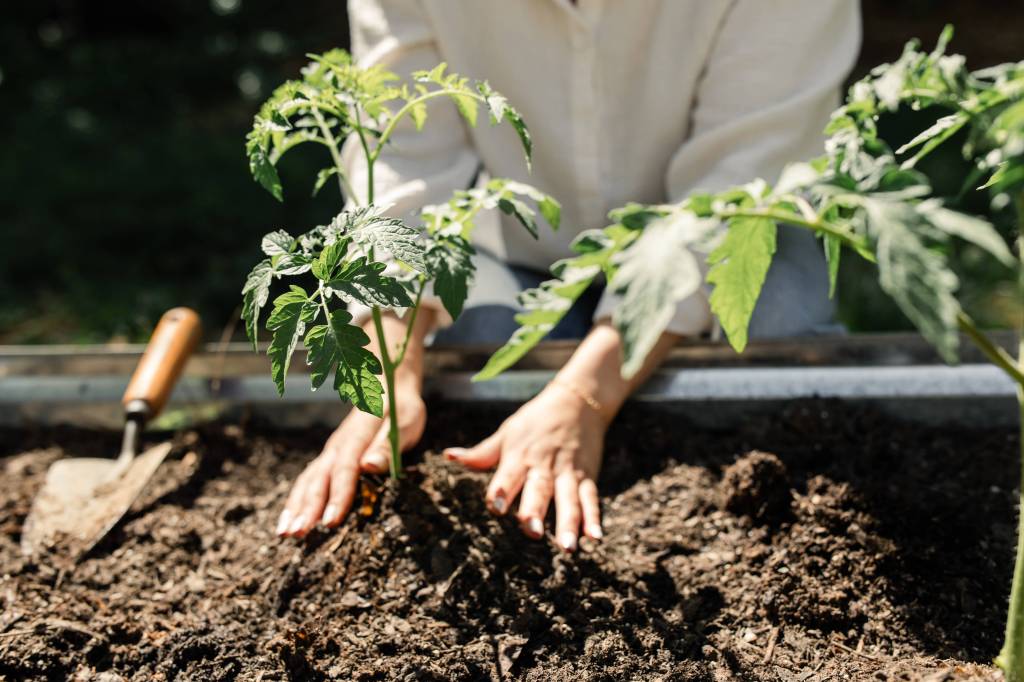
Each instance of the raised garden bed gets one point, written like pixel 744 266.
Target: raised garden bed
pixel 862 547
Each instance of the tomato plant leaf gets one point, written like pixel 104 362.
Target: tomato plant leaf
pixel 254 296
pixel 288 326
pixel 657 272
pixel 738 270
pixel 545 305
pixel 452 269
pixel 339 347
pixel 916 277
pixel 277 243
pixel 364 282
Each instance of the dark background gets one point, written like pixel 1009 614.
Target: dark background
pixel 123 185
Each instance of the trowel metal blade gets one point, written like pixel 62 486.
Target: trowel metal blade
pixel 82 498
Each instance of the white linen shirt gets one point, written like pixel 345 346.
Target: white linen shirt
pixel 626 100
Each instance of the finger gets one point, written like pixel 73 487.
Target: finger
pixel 534 500
pixel 377 455
pixel 591 507
pixel 344 479
pixel 311 508
pixel 484 455
pixel 567 509
pixel 294 502
pixel 506 483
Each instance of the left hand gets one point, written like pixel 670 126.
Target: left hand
pixel 551 447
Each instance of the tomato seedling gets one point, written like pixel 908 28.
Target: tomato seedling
pixel 862 194
pixel 364 256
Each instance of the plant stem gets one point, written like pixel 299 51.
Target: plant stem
pixel 389 378
pixel 386 133
pixel 412 323
pixel 996 355
pixel 395 465
pixel 849 238
pixel 332 146
pixel 1011 657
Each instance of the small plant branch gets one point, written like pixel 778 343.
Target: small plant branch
pixel 1011 657
pixel 332 146
pixel 996 355
pixel 390 128
pixel 410 328
pixel 849 238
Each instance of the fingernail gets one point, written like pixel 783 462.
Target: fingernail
pixel 375 461
pixel 282 522
pixel 452 454
pixel 594 531
pixel 567 540
pixel 534 527
pixel 330 515
pixel 499 504
pixel 297 525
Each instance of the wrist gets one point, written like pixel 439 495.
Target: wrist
pixel 585 400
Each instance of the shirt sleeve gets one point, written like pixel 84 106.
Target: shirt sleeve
pixel 771 80
pixel 417 168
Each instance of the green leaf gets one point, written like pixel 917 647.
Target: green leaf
pixel 657 272
pixel 452 269
pixel 932 137
pixel 329 259
pixel 545 305
pixel 322 177
pixel 288 326
pixel 262 169
pixel 418 114
pixel 277 243
pixel 363 282
pixel 917 278
pixel 502 111
pixel 523 213
pixel 340 347
pixel 739 267
pixel 254 296
pixel 377 234
pixel 552 211
pixel 979 232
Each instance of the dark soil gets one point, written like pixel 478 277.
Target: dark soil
pixel 859 549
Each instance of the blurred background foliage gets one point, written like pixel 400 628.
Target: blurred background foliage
pixel 123 184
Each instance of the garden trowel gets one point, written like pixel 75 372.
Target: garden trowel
pixel 82 498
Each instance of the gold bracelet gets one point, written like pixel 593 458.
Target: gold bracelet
pixel 590 400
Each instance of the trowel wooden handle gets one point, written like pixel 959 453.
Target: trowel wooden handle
pixel 173 340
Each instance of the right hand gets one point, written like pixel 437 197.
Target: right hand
pixel 324 491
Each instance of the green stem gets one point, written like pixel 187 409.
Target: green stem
pixel 1011 657
pixel 851 239
pixel 332 146
pixel 389 378
pixel 390 128
pixel 996 355
pixel 412 322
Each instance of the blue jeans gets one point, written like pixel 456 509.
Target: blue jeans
pixel 793 302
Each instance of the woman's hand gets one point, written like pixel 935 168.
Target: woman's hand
pixel 551 447
pixel 324 491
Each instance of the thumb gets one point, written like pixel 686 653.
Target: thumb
pixel 483 456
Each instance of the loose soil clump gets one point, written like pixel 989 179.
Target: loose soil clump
pixel 858 549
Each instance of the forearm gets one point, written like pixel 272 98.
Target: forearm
pixel 594 368
pixel 410 372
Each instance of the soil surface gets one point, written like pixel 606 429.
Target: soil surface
pixel 822 543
